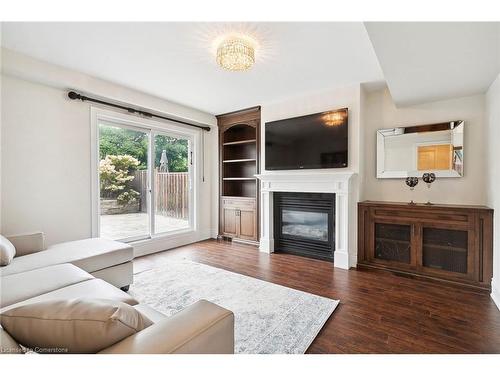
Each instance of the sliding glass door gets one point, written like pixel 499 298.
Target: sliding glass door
pixel 145 184
pixel 171 183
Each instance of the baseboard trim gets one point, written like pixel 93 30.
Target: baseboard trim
pixel 495 293
pixel 159 244
pixel 266 245
pixel 341 260
pixel 353 261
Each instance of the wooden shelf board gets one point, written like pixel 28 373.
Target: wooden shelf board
pixel 240 142
pixel 238 160
pixel 238 196
pixel 392 240
pixel 239 178
pixel 444 247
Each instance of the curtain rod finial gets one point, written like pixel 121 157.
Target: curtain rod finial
pixel 73 95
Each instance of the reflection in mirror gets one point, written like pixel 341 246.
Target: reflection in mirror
pixel 414 150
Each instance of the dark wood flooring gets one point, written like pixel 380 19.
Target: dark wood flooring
pixel 379 312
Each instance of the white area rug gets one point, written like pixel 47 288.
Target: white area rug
pixel 269 318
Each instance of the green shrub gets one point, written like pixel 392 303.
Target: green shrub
pixel 116 176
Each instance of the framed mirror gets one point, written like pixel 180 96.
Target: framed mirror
pixel 412 151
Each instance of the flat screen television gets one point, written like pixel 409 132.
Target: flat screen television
pixel 307 142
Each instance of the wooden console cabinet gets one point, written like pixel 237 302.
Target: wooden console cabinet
pixel 445 242
pixel 239 140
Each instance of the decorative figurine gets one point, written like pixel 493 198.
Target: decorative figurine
pixel 412 182
pixel 429 178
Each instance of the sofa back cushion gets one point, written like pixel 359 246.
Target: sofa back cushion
pixel 72 326
pixel 7 344
pixel 7 251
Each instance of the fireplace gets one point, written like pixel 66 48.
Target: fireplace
pixel 304 224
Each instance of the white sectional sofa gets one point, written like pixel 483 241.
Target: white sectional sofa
pixel 105 259
pixel 97 268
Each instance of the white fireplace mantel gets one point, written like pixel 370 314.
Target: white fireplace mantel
pixel 343 184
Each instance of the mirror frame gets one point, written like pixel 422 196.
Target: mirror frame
pixel 381 173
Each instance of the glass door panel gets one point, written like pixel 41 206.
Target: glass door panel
pixel 445 249
pixel 172 187
pixel 393 242
pixel 123 182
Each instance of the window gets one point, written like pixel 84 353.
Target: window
pixel 144 180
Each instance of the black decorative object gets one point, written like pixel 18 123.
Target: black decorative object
pixel 429 178
pixel 412 182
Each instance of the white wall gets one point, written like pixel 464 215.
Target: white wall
pixel 45 151
pixel 493 174
pixel 380 112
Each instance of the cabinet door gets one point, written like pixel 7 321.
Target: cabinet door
pixel 230 222
pixel 447 252
pixel 248 224
pixel 393 244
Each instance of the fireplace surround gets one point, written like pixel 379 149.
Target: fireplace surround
pixel 304 224
pixel 345 187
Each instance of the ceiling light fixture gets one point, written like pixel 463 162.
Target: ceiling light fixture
pixel 235 54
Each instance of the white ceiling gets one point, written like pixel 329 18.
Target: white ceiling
pixel 425 61
pixel 176 61
pixel 420 61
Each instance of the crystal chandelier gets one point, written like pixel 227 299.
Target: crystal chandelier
pixel 235 54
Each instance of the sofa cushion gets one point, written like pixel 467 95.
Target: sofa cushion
pixel 149 312
pixel 28 243
pixel 25 285
pixel 91 255
pixel 94 288
pixel 7 344
pixel 72 326
pixel 7 251
pixel 120 275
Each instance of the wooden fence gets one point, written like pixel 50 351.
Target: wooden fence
pixel 172 192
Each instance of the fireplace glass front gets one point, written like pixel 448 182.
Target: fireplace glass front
pixel 305 224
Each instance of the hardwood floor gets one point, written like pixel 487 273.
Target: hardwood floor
pixel 379 312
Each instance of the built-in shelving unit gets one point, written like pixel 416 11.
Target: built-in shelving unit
pixel 239 163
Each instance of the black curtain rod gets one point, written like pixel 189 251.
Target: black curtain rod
pixel 75 96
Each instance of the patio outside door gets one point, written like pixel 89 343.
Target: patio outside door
pixel 144 182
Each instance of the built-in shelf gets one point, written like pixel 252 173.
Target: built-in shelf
pixel 238 160
pixel 240 142
pixel 382 239
pixel 239 178
pixel 238 163
pixel 444 247
pixel 237 197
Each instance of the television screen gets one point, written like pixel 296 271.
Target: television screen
pixel 307 142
